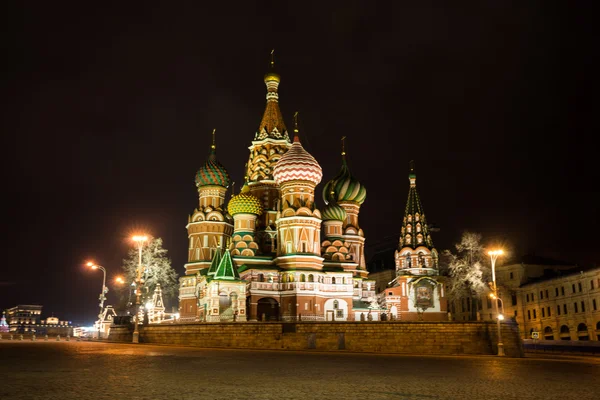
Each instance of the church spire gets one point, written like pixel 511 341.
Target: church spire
pixel 272 125
pixel 415 231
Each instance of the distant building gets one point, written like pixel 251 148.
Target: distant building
pixel 23 318
pixel 560 301
pixel 27 319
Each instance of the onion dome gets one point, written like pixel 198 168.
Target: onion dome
pixel 297 165
pixel 245 203
pixel 344 187
pixel 333 212
pixel 212 173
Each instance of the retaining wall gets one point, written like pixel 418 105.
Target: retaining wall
pixel 379 337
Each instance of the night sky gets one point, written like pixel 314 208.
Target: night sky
pixel 108 114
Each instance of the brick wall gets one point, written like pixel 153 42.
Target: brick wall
pixel 378 337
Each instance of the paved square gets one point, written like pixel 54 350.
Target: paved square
pixel 92 370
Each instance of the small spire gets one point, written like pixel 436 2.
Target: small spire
pixel 213 146
pixel 273 58
pixel 232 189
pixel 344 146
pixel 411 166
pixel 412 176
pixel 296 138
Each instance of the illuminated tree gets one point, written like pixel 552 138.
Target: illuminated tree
pixel 468 271
pixel 156 269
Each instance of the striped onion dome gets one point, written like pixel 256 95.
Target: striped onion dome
pixel 245 203
pixel 344 187
pixel 297 165
pixel 212 173
pixel 333 212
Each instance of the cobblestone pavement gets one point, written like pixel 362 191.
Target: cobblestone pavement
pixel 96 370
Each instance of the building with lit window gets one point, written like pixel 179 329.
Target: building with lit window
pixel 23 318
pixel 560 301
pixel 27 319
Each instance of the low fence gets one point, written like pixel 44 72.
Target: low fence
pixel 572 347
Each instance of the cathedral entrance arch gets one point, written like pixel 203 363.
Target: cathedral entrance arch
pixel 224 302
pixel 267 309
pixel 394 312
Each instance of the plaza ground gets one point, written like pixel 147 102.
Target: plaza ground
pixel 101 370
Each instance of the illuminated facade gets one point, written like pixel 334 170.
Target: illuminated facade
pixel 263 257
pixel 559 301
pixel 417 291
pixel 27 319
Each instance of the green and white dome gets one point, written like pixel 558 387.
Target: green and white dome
pixel 344 187
pixel 333 212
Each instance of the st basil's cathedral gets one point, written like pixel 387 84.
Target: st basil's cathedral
pixel 269 254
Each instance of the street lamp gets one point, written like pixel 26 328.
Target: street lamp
pixel 138 280
pixel 102 293
pixel 494 256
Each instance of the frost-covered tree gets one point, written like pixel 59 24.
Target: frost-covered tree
pixel 156 268
pixel 468 271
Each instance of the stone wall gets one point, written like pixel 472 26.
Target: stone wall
pixel 376 337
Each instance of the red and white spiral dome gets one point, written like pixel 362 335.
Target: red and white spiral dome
pixel 297 165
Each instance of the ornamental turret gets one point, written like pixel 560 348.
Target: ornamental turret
pixel 244 208
pixel 212 182
pixel 299 221
pixel 271 142
pixel 416 253
pixel 347 192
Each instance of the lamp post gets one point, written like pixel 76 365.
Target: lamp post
pixel 102 293
pixel 494 256
pixel 138 280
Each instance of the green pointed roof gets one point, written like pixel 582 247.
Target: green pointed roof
pixel 226 269
pixel 414 224
pixel 214 264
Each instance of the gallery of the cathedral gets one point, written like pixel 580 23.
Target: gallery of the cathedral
pixel 268 253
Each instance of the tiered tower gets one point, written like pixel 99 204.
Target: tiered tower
pixel 209 227
pixel 270 143
pixel 415 254
pixel 418 291
pixel 347 192
pixel 299 220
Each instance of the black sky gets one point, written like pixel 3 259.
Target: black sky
pixel 109 110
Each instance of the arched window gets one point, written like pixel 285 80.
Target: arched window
pixel 261 278
pixel 336 304
pixel 333 280
pixel 284 278
pixel 582 332
pixel 311 278
pixel 409 228
pixel 302 278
